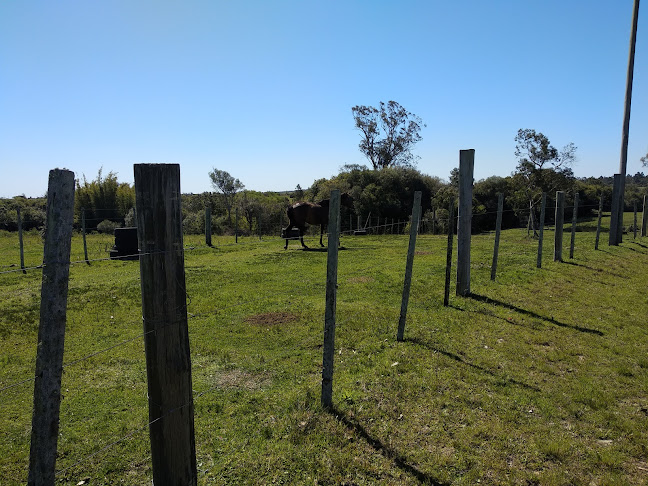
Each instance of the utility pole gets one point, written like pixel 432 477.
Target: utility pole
pixel 616 221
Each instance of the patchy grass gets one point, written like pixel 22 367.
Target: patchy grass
pixel 539 377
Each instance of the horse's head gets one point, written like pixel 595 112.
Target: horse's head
pixel 346 200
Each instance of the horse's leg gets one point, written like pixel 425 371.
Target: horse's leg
pixel 321 233
pixel 301 236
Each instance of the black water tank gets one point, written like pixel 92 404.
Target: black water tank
pixel 126 245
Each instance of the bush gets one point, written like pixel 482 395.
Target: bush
pixel 107 226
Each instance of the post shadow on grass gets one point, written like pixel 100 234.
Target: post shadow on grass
pixel 400 461
pixel 597 270
pixel 461 360
pixel 639 244
pixel 489 300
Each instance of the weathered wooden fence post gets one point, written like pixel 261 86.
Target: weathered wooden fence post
pixel 83 232
pixel 416 216
pixel 573 228
pixel 20 240
pixel 616 217
pixel 634 225
pixel 543 209
pixel 208 225
pixel 644 216
pixel 560 222
pixel 235 225
pixel 331 300
pixel 598 223
pixel 164 311
pixel 498 230
pixel 448 274
pixel 464 226
pixel 51 332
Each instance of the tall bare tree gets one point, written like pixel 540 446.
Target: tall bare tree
pixel 388 134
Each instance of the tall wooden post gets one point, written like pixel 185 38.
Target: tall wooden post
pixel 164 310
pixel 616 223
pixel 208 225
pixel 616 216
pixel 634 225
pixel 543 209
pixel 598 223
pixel 464 225
pixel 498 230
pixel 83 232
pixel 560 222
pixel 448 273
pixel 20 240
pixel 51 333
pixel 644 216
pixel 416 216
pixel 331 301
pixel 236 227
pixel 573 228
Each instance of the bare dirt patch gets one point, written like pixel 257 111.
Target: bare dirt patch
pixel 272 318
pixel 236 378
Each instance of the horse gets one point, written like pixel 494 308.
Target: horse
pixel 312 213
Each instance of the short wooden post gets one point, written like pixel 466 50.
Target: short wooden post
pixel 464 226
pixel 560 222
pixel 51 332
pixel 434 221
pixel 331 298
pixel 498 229
pixel 448 273
pixel 258 218
pixel 543 209
pixel 359 222
pixel 616 218
pixel 598 223
pixel 416 216
pixel 83 232
pixel 235 226
pixel 164 311
pixel 20 240
pixel 634 207
pixel 644 216
pixel 208 225
pixel 573 228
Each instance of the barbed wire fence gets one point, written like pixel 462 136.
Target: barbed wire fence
pixel 384 228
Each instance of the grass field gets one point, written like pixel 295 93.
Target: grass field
pixel 540 377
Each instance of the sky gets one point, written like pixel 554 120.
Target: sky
pixel 264 89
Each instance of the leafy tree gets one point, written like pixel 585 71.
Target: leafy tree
pixel 644 160
pixel 228 186
pixel 541 168
pixel 388 134
pixel 103 198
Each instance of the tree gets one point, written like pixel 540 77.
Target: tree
pixel 228 186
pixel 398 128
pixel 644 160
pixel 541 168
pixel 103 198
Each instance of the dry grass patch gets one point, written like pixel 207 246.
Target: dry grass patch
pixel 236 378
pixel 272 318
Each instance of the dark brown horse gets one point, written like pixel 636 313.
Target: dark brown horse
pixel 312 213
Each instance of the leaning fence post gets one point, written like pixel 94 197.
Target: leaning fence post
pixel 20 240
pixel 331 297
pixel 416 215
pixel 464 214
pixel 51 332
pixel 451 229
pixel 498 229
pixel 83 232
pixel 573 228
pixel 560 222
pixel 616 219
pixel 644 217
pixel 208 225
pixel 598 223
pixel 166 334
pixel 543 208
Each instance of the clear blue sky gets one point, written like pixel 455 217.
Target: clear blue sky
pixel 264 89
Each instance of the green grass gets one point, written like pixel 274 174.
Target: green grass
pixel 541 377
